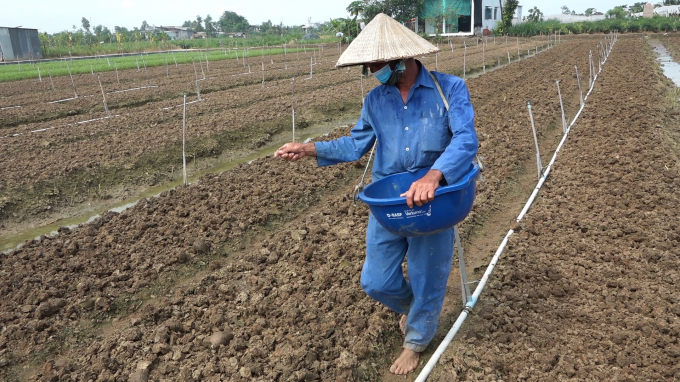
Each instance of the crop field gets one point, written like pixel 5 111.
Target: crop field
pixel 252 274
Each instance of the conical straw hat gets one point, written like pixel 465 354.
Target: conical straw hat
pixel 384 39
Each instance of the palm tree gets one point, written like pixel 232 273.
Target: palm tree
pixel 354 8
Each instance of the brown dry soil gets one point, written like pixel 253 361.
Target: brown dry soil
pixel 588 288
pixel 47 172
pixel 253 274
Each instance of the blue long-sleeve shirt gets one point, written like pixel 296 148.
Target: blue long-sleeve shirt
pixel 413 135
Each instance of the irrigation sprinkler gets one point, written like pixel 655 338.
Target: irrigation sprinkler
pixel 293 106
pixel 207 63
pixel 91 70
pixel 39 75
pixel 173 57
pixel 508 50
pixel 195 71
pixel 285 53
pixel 451 45
pixel 519 56
pixel 249 71
pixel 167 71
pixel 538 152
pixel 115 64
pixel 262 76
pixel 578 79
pixel 50 74
pixel 311 68
pixel 137 64
pixel 72 83
pixel 564 120
pixel 184 128
pixel 108 62
pixel 106 107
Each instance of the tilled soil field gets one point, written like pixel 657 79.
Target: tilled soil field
pixel 52 161
pixel 247 275
pixel 588 288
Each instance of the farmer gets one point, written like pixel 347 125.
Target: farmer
pixel 409 120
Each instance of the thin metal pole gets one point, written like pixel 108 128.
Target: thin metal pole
pixel 198 90
pixel 564 120
pixel 484 57
pixel 201 64
pixel 146 71
pixel 115 64
pixel 106 107
pixel 39 75
pixel 167 71
pixel 184 127
pixel 464 60
pixel 578 79
pixel 311 68
pixel 590 67
pixel 207 63
pixel 173 57
pixel 464 284
pixel 293 108
pixel 195 71
pixel 72 83
pixel 538 153
pixel 51 82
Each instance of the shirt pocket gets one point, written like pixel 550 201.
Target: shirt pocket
pixel 436 135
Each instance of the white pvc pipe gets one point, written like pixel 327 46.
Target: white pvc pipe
pixel 427 369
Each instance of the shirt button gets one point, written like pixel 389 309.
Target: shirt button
pixel 405 107
pixel 406 128
pixel 407 149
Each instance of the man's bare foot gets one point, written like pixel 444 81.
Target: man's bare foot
pixel 402 324
pixel 406 363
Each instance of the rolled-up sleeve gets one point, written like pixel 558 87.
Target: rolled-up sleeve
pixel 349 148
pixel 456 158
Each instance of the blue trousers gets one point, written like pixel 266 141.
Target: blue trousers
pixel 422 296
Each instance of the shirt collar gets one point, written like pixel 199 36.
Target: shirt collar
pixel 423 79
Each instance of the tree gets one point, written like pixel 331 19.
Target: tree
pixel 535 15
pixel 590 11
pixel 616 13
pixel 209 27
pixel 400 10
pixel 145 25
pixel 232 22
pixel 86 24
pixel 508 14
pixel 565 10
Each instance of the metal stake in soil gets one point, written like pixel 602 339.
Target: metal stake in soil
pixel 72 83
pixel 538 153
pixel 106 107
pixel 195 71
pixel 293 106
pixel 578 79
pixel 167 71
pixel 464 59
pixel 173 57
pixel 184 127
pixel 115 64
pixel 201 63
pixel 146 72
pixel 39 76
pixel 198 90
pixel 564 120
pixel 484 58
pixel 50 74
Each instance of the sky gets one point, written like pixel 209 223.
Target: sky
pixel 51 16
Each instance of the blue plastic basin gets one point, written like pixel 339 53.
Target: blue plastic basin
pixel 450 206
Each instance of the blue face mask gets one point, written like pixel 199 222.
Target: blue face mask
pixel 387 76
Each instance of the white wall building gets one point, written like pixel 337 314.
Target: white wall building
pixel 463 17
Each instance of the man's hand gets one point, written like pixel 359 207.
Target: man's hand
pixel 422 190
pixel 295 151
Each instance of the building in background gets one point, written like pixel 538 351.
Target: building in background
pixel 18 44
pixel 460 17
